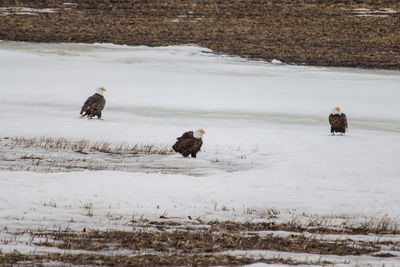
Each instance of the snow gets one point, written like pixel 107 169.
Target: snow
pixel 5 11
pixel 267 143
pixel 275 61
pixel 365 12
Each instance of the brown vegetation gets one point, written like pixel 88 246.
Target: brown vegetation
pixel 142 260
pixel 173 243
pixel 169 243
pixel 201 241
pixel 84 146
pixel 48 154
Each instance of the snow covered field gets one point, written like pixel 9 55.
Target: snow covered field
pixel 267 146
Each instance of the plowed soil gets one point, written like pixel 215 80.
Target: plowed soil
pixel 309 32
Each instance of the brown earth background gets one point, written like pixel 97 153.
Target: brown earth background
pixel 309 32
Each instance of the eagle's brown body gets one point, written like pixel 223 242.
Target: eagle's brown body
pixel 338 123
pixel 93 106
pixel 187 144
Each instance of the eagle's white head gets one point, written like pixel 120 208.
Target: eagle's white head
pixel 199 133
pixel 100 90
pixel 336 110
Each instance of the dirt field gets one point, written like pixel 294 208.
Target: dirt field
pixel 355 33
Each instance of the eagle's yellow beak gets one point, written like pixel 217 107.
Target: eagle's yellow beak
pixel 202 131
pixel 103 89
pixel 338 109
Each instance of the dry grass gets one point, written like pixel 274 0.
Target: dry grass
pixel 84 146
pixel 272 213
pixel 145 260
pixel 89 208
pixel 200 241
pixel 48 154
pixel 51 203
pixel 384 225
pixel 316 226
pixel 170 243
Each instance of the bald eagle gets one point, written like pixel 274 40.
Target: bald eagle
pixel 94 105
pixel 338 121
pixel 189 143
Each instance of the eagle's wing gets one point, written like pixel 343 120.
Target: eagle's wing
pixel 186 135
pixel 92 100
pixel 197 144
pixel 344 118
pixel 184 143
pixel 331 119
pixel 101 103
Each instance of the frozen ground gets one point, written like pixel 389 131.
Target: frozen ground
pixel 267 146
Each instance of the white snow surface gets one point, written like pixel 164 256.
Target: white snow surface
pixel 366 12
pixel 5 11
pixel 269 120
